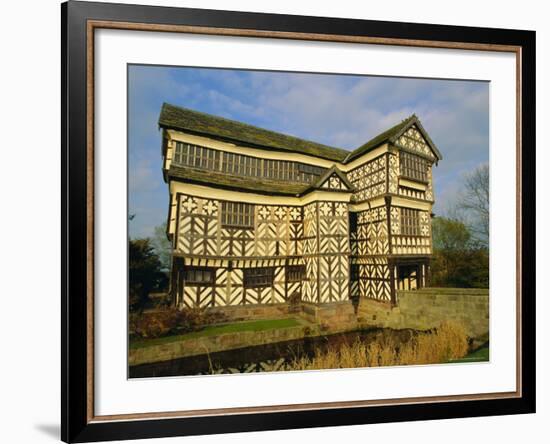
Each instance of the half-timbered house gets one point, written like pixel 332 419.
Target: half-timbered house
pixel 259 217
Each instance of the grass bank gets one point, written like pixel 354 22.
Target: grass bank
pixel 480 355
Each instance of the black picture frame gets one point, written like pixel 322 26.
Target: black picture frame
pixel 76 423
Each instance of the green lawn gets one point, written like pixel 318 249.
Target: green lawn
pixel 212 330
pixel 480 355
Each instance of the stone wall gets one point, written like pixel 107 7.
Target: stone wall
pixel 254 311
pixel 427 308
pixel 335 316
pixel 215 343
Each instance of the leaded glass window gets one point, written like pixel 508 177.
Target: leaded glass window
pixel 237 214
pixel 258 277
pixel 410 222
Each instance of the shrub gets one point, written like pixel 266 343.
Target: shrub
pixel 171 321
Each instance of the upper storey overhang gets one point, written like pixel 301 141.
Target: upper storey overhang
pixel 332 181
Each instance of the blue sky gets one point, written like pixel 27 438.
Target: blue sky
pixel 338 110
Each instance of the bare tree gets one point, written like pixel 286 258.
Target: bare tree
pixel 474 201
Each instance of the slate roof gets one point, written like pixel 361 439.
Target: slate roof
pixel 333 170
pixel 200 123
pixel 175 117
pixel 229 181
pixel 391 135
pixel 379 139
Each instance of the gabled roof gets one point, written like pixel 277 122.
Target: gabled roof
pixel 391 135
pixel 196 122
pixel 333 171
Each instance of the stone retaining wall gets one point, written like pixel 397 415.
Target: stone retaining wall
pixel 211 344
pixel 254 311
pixel 339 315
pixel 427 308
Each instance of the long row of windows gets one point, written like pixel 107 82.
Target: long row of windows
pixel 413 167
pixel 239 164
pixel 260 277
pixel 197 156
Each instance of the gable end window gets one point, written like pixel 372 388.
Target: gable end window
pixel 258 277
pixel 237 214
pixel 413 167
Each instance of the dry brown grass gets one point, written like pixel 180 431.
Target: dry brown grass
pixel 448 341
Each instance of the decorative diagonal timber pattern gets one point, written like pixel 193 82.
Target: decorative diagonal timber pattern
pixel 278 295
pixel 374 279
pixel 429 190
pixel 333 278
pixel 333 259
pixel 221 289
pixel 372 242
pixel 257 295
pixel 293 288
pixel 273 230
pixel 372 232
pixel 393 173
pixel 309 288
pixel 412 140
pixel 354 289
pixel 236 290
pixel 310 241
pixel 242 243
pixel 334 183
pixel 395 220
pixel 410 245
pixel 198 226
pixel 196 296
pixel 369 179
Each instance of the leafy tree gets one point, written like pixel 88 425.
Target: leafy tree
pixel 162 246
pixel 458 261
pixel 449 234
pixel 145 273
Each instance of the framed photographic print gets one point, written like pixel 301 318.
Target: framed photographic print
pixel 276 221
